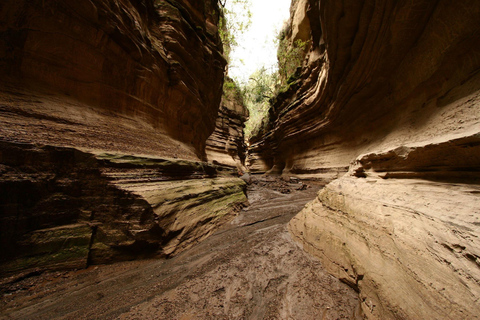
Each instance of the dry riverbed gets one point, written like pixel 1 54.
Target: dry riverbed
pixel 249 269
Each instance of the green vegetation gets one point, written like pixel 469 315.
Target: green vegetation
pixel 263 85
pixel 232 91
pixel 233 23
pixel 289 56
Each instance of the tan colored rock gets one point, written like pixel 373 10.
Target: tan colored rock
pixel 376 77
pixel 226 145
pixel 388 104
pixel 62 208
pixel 411 248
pixel 300 22
pixel 105 107
pixel 189 200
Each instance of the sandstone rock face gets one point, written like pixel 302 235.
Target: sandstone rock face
pixel 411 248
pixel 388 103
pixel 226 145
pixel 376 77
pixel 149 67
pixel 300 23
pixel 105 107
pixel 64 208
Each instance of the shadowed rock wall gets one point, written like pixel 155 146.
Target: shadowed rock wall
pixel 226 145
pixel 64 208
pixel 156 65
pixel 105 107
pixel 388 102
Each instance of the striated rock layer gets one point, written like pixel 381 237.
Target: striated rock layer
pixel 105 107
pixel 387 102
pixel 153 68
pixel 409 246
pixel 226 145
pixel 64 208
pixel 377 76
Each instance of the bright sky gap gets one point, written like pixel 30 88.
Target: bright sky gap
pixel 257 47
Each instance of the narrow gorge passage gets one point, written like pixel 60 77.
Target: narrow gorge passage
pixel 125 137
pixel 249 269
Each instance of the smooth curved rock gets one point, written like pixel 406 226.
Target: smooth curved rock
pixel 226 145
pixel 377 76
pixel 411 248
pixel 388 104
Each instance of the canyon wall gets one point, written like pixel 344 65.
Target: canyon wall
pixel 387 105
pixel 153 68
pixel 226 145
pixel 105 109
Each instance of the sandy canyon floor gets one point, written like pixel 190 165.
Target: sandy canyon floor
pixel 249 269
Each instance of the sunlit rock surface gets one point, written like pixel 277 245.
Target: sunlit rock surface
pixel 376 77
pixel 387 103
pixel 410 246
pixel 105 108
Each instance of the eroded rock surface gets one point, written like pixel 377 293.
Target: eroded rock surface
pixel 249 269
pixel 63 208
pixel 376 77
pixel 226 145
pixel 388 103
pixel 105 107
pixel 410 248
pixel 152 67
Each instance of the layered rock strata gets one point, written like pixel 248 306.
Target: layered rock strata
pixel 398 230
pixel 387 102
pixel 64 208
pixel 105 107
pixel 226 145
pixel 375 77
pixel 151 65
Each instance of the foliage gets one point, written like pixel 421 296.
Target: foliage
pixel 232 91
pixel 290 57
pixel 235 19
pixel 263 84
pixel 257 93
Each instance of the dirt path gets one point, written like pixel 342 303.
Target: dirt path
pixel 250 269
